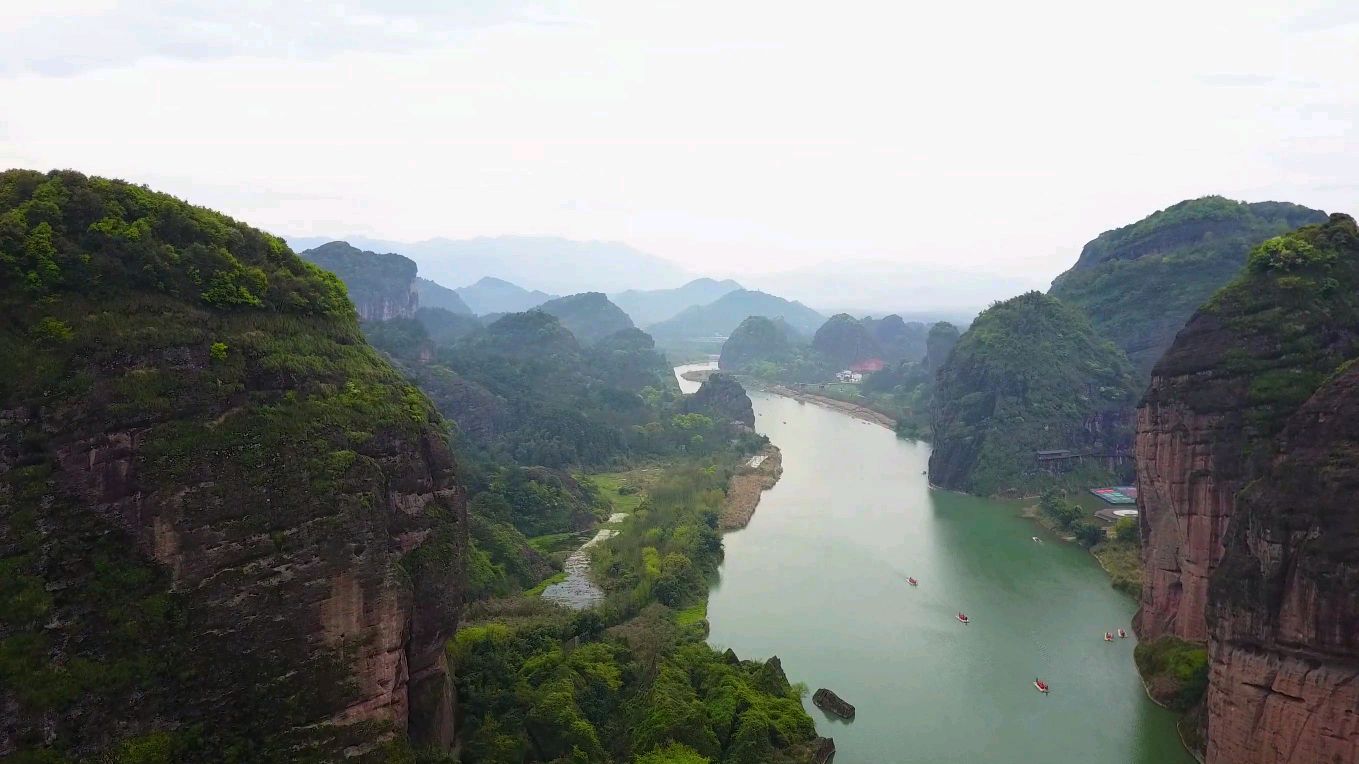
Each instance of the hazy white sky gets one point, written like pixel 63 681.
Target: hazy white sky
pixel 736 136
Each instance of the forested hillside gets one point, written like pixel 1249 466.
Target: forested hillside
pixel 1140 283
pixel 381 286
pixel 1031 375
pixel 589 316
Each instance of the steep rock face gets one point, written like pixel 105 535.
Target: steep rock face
pixel 1284 601
pixel 382 286
pixel 225 523
pixel 722 398
pixel 1029 376
pixel 846 341
pixel 1141 282
pixel 434 295
pixel 1242 364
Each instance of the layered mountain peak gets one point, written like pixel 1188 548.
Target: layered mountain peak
pixel 226 524
pixel 1141 282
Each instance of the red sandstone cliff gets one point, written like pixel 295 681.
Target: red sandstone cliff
pixel 1284 603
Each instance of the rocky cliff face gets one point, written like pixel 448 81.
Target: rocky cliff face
pixel 722 398
pixel 1284 602
pixel 227 528
pixel 1242 364
pixel 382 287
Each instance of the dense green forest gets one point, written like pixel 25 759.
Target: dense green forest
pixel 589 316
pixel 1140 283
pixel 633 679
pixel 1031 374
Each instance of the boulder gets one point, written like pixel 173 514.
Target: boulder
pixel 831 703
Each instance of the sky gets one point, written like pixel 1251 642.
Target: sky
pixel 736 137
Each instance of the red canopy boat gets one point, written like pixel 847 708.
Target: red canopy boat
pixel 1041 686
pixel 963 618
pixel 912 581
pixel 1108 637
pixel 1122 634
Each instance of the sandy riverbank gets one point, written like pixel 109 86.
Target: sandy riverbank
pixel 852 409
pixel 747 485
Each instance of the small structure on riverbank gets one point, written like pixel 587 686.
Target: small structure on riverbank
pixel 833 704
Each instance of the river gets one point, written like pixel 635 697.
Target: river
pixel 818 579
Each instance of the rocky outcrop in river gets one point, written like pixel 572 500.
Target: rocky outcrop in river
pixel 830 702
pixel 722 398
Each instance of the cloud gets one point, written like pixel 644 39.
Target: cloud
pixel 92 35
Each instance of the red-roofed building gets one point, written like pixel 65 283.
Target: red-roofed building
pixel 871 364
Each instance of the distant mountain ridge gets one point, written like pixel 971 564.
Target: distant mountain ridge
pixel 435 295
pixel 547 263
pixel 649 306
pixel 727 312
pixel 588 315
pixel 381 286
pixel 493 295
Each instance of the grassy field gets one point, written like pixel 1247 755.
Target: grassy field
pixel 537 591
pixel 625 490
pixel 557 542
pixel 692 614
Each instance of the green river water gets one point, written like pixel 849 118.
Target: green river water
pixel 818 579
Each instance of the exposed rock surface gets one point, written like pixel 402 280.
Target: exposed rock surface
pixel 1243 363
pixel 722 398
pixel 240 529
pixel 832 703
pixel 1284 602
pixel 382 287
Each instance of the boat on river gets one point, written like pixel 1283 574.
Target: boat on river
pixel 1041 686
pixel 962 618
pixel 1122 634
pixel 1108 637
pixel 912 581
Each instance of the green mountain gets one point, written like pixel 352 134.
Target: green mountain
pixel 648 306
pixel 939 346
pixel 721 317
pixel 1031 374
pixel 226 524
pixel 1140 283
pixel 757 339
pixel 434 295
pixel 845 341
pixel 588 315
pixel 381 286
pixel 898 339
pixel 492 295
